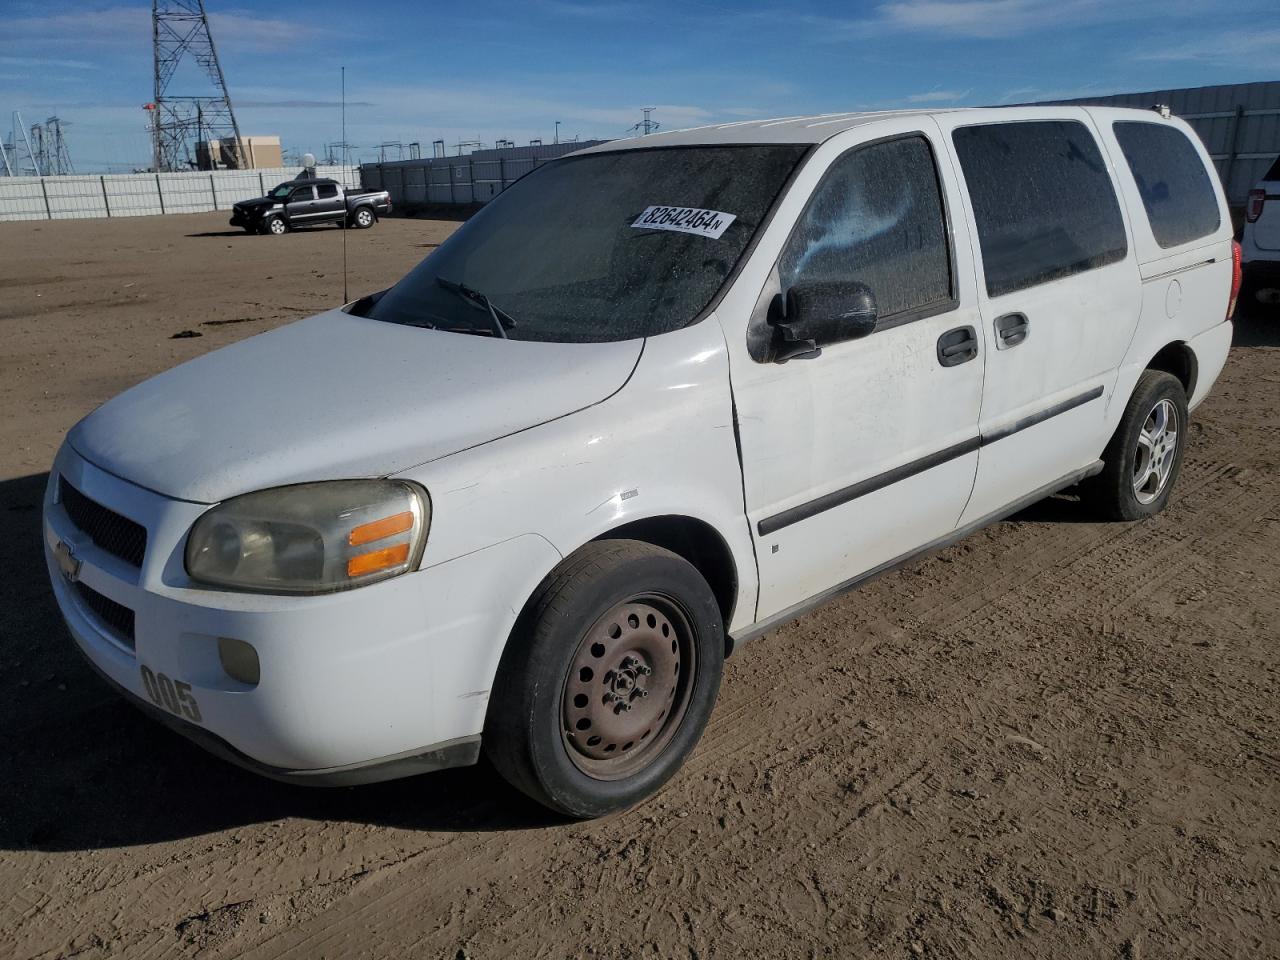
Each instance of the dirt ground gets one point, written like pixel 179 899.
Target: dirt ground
pixel 1056 739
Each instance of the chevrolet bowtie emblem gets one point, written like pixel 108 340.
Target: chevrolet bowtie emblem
pixel 67 562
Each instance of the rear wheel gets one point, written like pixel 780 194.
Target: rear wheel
pixel 1145 454
pixel 362 219
pixel 609 679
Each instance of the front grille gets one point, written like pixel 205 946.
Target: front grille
pixel 119 618
pixel 117 535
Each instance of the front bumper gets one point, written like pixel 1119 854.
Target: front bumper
pixel 368 684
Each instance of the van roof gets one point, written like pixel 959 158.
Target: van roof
pixel 824 126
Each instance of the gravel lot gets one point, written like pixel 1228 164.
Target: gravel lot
pixel 1055 739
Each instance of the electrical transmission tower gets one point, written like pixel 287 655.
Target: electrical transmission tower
pixel 180 31
pixel 647 125
pixel 49 148
pixel 11 152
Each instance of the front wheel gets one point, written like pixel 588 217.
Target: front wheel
pixel 609 679
pixel 275 226
pixel 1145 454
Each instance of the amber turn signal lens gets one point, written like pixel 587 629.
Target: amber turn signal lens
pixel 378 529
pixel 377 560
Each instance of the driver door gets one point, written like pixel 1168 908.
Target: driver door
pixel 301 207
pixel 866 450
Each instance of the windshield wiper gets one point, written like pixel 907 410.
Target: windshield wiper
pixel 501 320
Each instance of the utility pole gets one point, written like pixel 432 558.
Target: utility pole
pixel 180 33
pixel 557 131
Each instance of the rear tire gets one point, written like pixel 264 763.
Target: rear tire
pixel 363 219
pixel 608 680
pixel 1144 456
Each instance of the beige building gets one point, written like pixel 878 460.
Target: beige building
pixel 258 152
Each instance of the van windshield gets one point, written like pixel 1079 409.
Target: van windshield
pixel 602 247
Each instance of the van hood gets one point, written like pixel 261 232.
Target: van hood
pixel 337 396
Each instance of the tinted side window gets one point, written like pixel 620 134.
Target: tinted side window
pixel 1043 201
pixel 327 191
pixel 1175 187
pixel 302 193
pixel 876 218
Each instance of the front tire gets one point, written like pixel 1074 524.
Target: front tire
pixel 1144 456
pixel 608 680
pixel 275 226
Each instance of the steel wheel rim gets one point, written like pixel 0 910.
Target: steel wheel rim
pixel 1156 452
pixel 628 687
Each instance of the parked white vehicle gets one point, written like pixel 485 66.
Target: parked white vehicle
pixel 654 400
pixel 1261 241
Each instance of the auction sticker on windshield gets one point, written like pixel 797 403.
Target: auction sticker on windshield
pixel 705 223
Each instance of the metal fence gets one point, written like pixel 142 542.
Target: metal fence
pixel 144 194
pixel 1238 122
pixel 476 178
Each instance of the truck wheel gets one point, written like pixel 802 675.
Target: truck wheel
pixel 275 225
pixel 608 680
pixel 362 219
pixel 1145 454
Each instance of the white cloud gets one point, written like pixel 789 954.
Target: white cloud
pixel 939 96
pixel 46 62
pixel 983 19
pixel 1240 48
pixel 123 26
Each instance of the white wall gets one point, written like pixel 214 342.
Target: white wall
pixel 143 194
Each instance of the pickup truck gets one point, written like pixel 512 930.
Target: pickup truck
pixel 302 203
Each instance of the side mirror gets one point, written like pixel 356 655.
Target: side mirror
pixel 818 314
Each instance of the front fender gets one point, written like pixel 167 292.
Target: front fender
pixel 663 445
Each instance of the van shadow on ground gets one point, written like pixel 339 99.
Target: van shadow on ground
pixel 82 769
pixel 1257 325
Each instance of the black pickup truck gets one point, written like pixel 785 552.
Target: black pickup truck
pixel 301 203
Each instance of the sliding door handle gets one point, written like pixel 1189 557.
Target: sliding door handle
pixel 957 346
pixel 1011 330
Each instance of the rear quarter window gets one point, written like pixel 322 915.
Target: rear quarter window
pixel 1043 201
pixel 1172 180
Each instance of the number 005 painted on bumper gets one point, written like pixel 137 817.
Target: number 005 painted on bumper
pixel 172 695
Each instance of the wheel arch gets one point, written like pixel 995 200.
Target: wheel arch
pixel 690 538
pixel 695 541
pixel 1179 360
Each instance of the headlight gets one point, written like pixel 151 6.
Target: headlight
pixel 312 537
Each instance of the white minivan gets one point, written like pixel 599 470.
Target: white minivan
pixel 655 399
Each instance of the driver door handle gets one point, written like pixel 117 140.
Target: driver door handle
pixel 957 346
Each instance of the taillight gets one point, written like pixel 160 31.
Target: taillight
pixel 1236 276
pixel 1253 208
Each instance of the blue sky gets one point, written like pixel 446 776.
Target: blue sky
pixel 483 70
